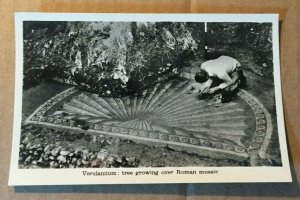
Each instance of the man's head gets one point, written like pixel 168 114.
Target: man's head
pixel 201 76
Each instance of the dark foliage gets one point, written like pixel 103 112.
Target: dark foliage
pixel 250 39
pixel 108 58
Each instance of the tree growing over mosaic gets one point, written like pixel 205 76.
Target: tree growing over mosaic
pixel 108 58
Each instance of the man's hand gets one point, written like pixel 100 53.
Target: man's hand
pixel 205 90
pixel 213 90
pixel 193 88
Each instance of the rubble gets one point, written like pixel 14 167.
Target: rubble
pixel 56 155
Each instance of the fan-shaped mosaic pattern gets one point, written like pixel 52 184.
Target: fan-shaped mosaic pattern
pixel 165 114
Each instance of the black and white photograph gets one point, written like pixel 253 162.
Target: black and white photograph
pixel 107 95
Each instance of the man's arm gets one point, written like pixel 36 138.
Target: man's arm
pixel 227 82
pixel 207 86
pixel 193 88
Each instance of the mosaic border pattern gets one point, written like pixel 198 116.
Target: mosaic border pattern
pixel 264 127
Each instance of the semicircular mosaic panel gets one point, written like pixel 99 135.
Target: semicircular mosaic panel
pixel 165 114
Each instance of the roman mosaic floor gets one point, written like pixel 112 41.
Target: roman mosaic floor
pixel 165 115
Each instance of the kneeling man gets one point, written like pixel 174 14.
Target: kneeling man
pixel 223 74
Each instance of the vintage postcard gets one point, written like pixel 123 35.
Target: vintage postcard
pixel 147 98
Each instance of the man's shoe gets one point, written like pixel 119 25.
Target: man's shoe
pixel 226 96
pixel 204 96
